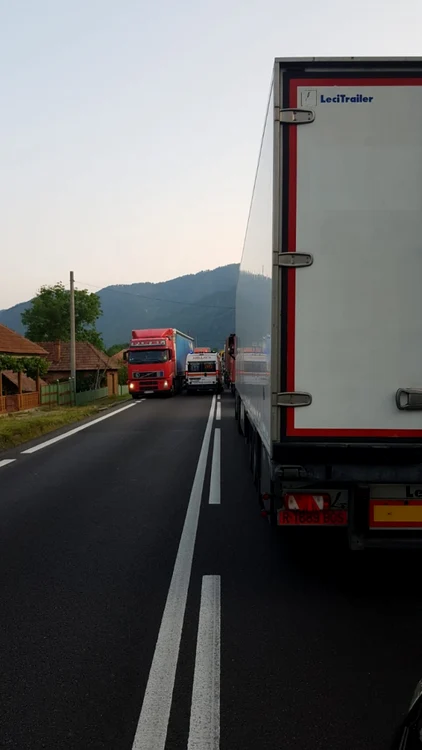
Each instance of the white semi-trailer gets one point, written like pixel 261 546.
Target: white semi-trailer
pixel 330 292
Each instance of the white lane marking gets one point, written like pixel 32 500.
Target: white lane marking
pixel 79 429
pixel 218 398
pixel 215 485
pixel 218 413
pixel 204 730
pixel 6 461
pixel 153 722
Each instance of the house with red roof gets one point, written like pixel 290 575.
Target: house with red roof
pixel 15 387
pixel 96 367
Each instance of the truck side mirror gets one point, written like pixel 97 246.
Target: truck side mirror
pixel 124 356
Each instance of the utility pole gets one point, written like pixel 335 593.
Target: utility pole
pixel 72 330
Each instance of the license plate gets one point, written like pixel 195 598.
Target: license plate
pixel 312 518
pixel 395 514
pixel 148 391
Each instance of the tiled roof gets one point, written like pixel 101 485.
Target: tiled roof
pixel 13 343
pixel 28 384
pixel 87 357
pixel 117 359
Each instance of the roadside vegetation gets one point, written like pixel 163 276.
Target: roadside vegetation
pixel 20 427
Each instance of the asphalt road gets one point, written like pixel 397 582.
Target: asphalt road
pixel 107 534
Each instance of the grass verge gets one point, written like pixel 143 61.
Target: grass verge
pixel 20 427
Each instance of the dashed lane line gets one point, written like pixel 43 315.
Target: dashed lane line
pixel 204 730
pixel 215 483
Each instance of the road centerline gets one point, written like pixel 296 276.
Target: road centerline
pixel 151 731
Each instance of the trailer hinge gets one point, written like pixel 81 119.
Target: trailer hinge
pixel 290 472
pixel 296 116
pixel 409 399
pixel 295 260
pixel 292 398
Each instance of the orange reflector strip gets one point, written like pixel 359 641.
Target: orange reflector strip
pixel 395 513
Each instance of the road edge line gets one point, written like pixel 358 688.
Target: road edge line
pixel 81 427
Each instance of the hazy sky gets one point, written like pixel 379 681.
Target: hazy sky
pixel 129 130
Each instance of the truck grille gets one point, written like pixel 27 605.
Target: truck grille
pixel 147 375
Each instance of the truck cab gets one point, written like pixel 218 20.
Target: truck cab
pixel 155 361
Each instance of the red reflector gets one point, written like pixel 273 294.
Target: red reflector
pixel 312 518
pixel 301 501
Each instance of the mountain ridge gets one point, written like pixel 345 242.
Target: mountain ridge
pixel 201 304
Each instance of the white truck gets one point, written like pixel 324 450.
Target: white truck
pixel 330 286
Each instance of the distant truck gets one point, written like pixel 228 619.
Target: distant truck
pixel 156 361
pixel 230 362
pixel 329 303
pixel 203 372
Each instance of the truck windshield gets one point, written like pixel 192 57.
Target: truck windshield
pixel 201 367
pixel 148 356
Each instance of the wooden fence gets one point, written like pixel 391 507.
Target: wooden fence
pixel 85 397
pixel 54 394
pixel 58 394
pixel 19 402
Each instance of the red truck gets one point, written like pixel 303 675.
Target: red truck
pixel 230 362
pixel 156 361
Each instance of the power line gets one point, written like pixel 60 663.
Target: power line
pixel 155 299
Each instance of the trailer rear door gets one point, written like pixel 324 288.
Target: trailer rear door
pixel 354 317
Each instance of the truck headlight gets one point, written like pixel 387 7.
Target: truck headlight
pixel 131 385
pixel 165 384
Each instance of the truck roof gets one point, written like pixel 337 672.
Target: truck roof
pixel 347 59
pixel 154 333
pixel 157 333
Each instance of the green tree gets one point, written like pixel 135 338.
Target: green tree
pixel 32 366
pixel 48 318
pixel 122 375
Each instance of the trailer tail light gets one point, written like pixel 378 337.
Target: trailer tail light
pixel 304 502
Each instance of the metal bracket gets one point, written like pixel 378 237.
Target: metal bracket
pixel 295 260
pixel 409 399
pixel 296 116
pixel 293 398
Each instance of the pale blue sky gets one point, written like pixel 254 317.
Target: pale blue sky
pixel 129 130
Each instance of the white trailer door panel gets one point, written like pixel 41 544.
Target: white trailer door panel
pixel 354 317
